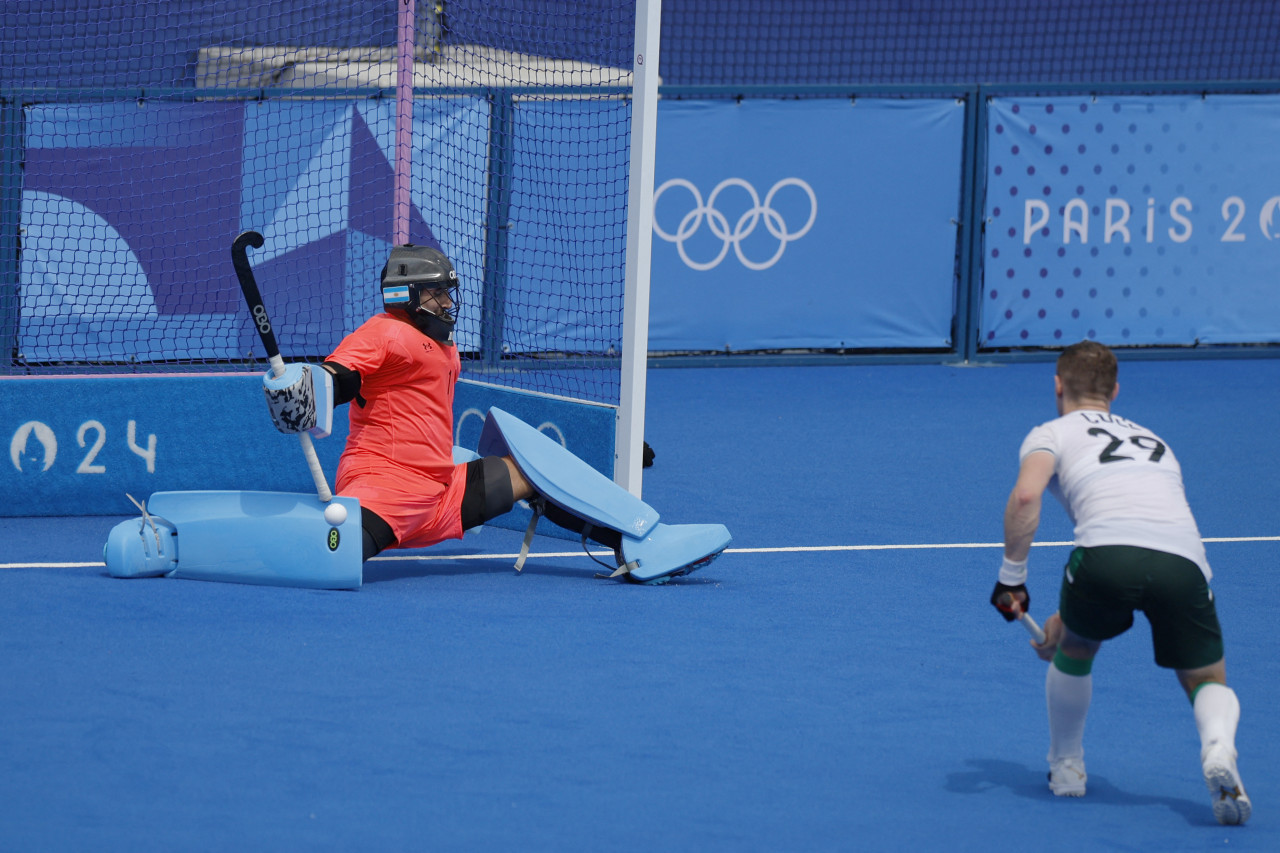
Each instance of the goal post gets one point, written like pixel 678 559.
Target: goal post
pixel 635 323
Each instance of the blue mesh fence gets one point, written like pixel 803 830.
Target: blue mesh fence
pixel 140 138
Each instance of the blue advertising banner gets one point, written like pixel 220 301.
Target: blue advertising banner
pixel 796 224
pixel 78 445
pixel 1132 220
pixel 822 224
pixel 314 177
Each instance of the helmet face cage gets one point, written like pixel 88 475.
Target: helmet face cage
pixel 420 296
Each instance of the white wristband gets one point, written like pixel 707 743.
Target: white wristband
pixel 1013 573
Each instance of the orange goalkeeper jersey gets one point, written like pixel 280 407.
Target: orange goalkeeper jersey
pixel 402 420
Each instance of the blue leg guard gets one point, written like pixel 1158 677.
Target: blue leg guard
pixel 648 552
pixel 272 538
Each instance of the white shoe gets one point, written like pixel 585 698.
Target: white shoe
pixel 1067 777
pixel 1230 803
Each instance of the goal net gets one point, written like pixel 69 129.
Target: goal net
pixel 140 139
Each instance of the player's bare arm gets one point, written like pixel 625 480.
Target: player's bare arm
pixel 1021 519
pixel 1022 512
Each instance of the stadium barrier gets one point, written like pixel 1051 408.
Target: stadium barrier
pixel 80 445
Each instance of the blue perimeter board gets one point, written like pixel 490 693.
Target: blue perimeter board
pixel 78 445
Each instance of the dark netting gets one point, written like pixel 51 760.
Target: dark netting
pixel 811 42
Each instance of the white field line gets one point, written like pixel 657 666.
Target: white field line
pixel 942 546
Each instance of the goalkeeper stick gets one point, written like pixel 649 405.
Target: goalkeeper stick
pixel 1025 618
pixel 258 312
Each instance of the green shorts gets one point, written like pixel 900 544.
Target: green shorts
pixel 1102 586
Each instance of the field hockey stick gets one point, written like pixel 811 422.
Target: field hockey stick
pixel 1024 617
pixel 258 312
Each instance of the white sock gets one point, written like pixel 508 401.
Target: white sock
pixel 1217 714
pixel 1067 697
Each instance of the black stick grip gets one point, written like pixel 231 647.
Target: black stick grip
pixel 249 285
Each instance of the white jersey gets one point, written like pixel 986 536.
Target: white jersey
pixel 1120 484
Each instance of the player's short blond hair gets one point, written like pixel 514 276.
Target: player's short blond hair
pixel 1087 369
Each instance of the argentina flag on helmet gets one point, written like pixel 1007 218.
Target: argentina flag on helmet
pixel 396 295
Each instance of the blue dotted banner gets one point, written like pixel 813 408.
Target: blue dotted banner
pixel 1132 221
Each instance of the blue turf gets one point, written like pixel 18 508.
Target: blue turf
pixel 864 700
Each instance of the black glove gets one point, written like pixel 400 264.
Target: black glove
pixel 1005 606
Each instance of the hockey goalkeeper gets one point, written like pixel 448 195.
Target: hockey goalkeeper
pixel 397 371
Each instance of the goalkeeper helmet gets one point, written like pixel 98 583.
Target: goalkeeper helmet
pixel 421 281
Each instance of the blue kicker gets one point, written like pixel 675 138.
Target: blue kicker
pixel 650 552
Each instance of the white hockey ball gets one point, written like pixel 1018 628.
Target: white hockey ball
pixel 335 514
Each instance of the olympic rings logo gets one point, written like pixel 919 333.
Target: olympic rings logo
pixel 548 428
pixel 746 224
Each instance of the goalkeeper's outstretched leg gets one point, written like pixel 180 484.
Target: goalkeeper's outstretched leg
pixel 575 496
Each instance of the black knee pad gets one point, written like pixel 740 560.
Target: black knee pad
pixel 488 491
pixel 376 532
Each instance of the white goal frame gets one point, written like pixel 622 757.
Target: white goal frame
pixel 629 438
